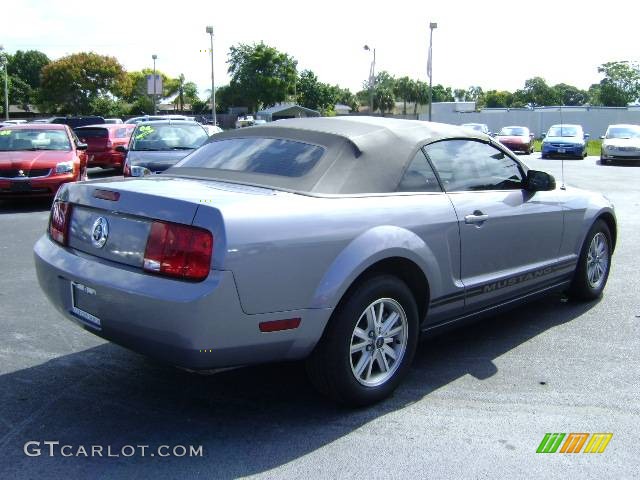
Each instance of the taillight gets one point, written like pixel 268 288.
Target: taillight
pixel 180 251
pixel 59 222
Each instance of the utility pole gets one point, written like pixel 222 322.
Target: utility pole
pixel 213 80
pixel 5 61
pixel 372 78
pixel 432 27
pixel 155 104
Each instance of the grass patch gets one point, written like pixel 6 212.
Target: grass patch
pixel 593 146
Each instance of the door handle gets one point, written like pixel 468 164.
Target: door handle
pixel 477 217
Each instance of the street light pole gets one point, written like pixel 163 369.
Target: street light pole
pixel 372 78
pixel 213 81
pixel 155 105
pixel 432 27
pixel 5 62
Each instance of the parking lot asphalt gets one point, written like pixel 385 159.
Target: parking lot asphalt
pixel 476 404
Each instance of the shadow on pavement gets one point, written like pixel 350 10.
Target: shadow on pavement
pixel 248 420
pixel 25 205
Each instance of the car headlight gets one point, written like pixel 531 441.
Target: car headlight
pixel 64 167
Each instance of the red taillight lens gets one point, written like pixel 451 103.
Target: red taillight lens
pixel 178 251
pixel 59 222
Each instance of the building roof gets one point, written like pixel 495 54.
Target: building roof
pixel 284 107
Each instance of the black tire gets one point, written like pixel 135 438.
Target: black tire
pixel 544 156
pixel 603 161
pixel 581 288
pixel 330 365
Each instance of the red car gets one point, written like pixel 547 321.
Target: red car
pixel 102 141
pixel 35 159
pixel 516 139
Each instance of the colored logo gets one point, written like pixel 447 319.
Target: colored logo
pixel 100 232
pixel 574 442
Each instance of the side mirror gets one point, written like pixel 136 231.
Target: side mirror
pixel 586 135
pixel 81 146
pixel 543 135
pixel 538 181
pixel 531 135
pixel 121 149
pixel 601 137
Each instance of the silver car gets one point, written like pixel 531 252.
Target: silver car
pixel 621 142
pixel 335 240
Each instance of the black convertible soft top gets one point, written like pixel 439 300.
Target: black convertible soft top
pixel 362 154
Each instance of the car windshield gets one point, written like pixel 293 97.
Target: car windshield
pixel 33 139
pixel 563 131
pixel 514 131
pixel 168 137
pixel 623 132
pixel 272 156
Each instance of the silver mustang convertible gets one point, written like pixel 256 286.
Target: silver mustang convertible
pixel 335 240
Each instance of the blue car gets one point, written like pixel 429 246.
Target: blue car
pixel 565 140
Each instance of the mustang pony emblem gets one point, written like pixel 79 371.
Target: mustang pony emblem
pixel 100 232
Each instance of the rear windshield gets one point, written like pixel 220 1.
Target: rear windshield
pixel 271 156
pixel 514 131
pixel 168 136
pixel 36 139
pixel 93 132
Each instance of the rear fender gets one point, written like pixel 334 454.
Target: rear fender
pixel 367 249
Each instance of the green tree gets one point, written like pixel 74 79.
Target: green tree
pixel 262 75
pixel 404 88
pixel 498 99
pixel 621 83
pixel 421 95
pixel 442 94
pixel 383 99
pixel 313 94
pixel 537 93
pixel 71 83
pixel 460 94
pixel 570 95
pixel 24 69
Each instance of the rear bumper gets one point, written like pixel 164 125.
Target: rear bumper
pixel 106 159
pixel 192 325
pixel 39 187
pixel 631 156
pixel 517 147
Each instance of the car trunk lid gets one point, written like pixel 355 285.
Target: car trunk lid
pixel 96 138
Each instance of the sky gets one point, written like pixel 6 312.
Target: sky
pixel 493 44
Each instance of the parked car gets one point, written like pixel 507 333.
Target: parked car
pixel 153 118
pixel 113 120
pixel 516 139
pixel 75 122
pixel 335 240
pixel 478 127
pixel 156 146
pixel 569 140
pixel 212 129
pixel 35 159
pixel 14 122
pixel 621 142
pixel 102 143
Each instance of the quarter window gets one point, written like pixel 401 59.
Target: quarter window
pixel 419 176
pixel 467 165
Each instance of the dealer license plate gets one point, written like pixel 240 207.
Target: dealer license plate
pixel 84 301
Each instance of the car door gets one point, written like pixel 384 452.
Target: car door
pixel 510 237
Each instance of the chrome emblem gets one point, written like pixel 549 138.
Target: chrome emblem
pixel 21 173
pixel 100 232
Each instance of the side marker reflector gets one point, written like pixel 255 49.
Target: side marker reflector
pixel 277 325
